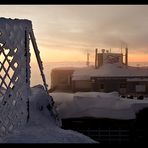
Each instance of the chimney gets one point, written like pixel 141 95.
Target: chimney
pixel 126 56
pixel 96 58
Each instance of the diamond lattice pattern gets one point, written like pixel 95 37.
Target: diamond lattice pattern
pixel 8 67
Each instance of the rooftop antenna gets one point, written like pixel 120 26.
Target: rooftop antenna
pixel 40 64
pixel 121 47
pixel 87 62
pixel 96 57
pixel 126 55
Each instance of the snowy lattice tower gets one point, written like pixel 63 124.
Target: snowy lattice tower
pixel 14 73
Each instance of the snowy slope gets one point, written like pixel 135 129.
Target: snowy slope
pixel 41 127
pixel 97 104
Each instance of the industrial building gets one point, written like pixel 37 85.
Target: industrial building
pixel 110 72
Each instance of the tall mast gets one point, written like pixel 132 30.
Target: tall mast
pixel 87 62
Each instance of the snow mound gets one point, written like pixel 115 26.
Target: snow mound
pixel 97 104
pixel 41 127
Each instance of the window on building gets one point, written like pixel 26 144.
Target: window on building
pixel 140 88
pixel 101 86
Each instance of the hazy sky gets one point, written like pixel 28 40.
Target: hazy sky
pixel 67 32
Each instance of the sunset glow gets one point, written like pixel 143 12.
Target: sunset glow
pixel 68 32
pixel 138 57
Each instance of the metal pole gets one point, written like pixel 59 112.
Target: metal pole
pixel 27 54
pixel 37 53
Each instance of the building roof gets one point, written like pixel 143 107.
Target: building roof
pixel 109 70
pixel 64 68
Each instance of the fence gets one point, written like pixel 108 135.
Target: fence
pixel 14 73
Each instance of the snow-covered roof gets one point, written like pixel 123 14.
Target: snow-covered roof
pixel 65 68
pixel 110 70
pixel 97 104
pixel 82 73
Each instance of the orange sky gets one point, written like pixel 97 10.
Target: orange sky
pixel 74 55
pixel 138 57
pixel 67 32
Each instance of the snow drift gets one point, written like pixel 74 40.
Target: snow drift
pixel 97 104
pixel 41 127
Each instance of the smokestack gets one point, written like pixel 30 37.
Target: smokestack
pixel 126 56
pixel 96 58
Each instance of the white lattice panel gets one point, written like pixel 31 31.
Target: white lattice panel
pixel 14 73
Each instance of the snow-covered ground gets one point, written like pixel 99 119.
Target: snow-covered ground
pixel 41 127
pixel 97 104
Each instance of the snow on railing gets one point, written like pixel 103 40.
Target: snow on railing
pixel 14 73
pixel 15 35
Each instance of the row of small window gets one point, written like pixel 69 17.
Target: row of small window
pixel 121 86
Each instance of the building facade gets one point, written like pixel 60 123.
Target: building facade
pixel 110 73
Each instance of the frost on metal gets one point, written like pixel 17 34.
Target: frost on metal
pixel 14 73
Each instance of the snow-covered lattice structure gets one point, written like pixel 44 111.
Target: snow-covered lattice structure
pixel 15 72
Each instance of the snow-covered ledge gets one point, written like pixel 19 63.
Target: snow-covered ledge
pixel 14 73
